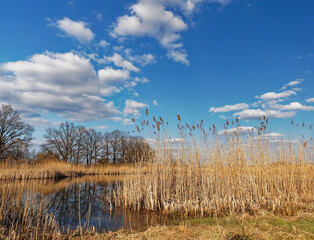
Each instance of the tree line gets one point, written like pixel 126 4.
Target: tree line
pixel 69 142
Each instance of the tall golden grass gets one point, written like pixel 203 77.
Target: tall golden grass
pixel 51 168
pixel 222 175
pixel 24 216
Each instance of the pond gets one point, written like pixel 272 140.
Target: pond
pixel 82 202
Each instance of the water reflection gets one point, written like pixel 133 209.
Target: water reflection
pixel 80 202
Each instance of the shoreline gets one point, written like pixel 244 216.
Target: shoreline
pixel 242 227
pixel 60 170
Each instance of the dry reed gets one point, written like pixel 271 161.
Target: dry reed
pixel 58 169
pixel 222 175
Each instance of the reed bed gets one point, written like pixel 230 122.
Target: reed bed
pixel 225 174
pixel 50 169
pixel 24 216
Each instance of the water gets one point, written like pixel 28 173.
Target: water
pixel 82 202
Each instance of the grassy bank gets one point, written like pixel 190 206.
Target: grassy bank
pixel 233 228
pixel 241 228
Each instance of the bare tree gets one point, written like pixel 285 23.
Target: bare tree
pixel 92 145
pixel 79 143
pixel 124 146
pixel 61 142
pixel 115 144
pixel 15 134
pixel 106 153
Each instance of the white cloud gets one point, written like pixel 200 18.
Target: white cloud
pixel 162 20
pixel 269 105
pixel 273 96
pixel 296 106
pixel 173 141
pixel 178 56
pixel 273 135
pixel 110 76
pixel 119 62
pixel 155 103
pixel 144 59
pixel 41 122
pixel 64 84
pixel 310 100
pixel 102 127
pixel 292 83
pixel 132 107
pixel 150 18
pixel 134 83
pixel 141 80
pixel 296 89
pixel 257 113
pixel 76 29
pixel 127 121
pixel 238 130
pixel 229 108
pixel 104 43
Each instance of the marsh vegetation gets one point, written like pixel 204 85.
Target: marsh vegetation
pixel 241 174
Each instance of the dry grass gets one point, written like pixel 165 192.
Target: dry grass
pixel 24 216
pixel 249 187
pixel 222 175
pixel 57 169
pixel 240 228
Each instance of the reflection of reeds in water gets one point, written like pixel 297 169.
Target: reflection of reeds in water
pixel 222 175
pixel 48 186
pixel 70 206
pixel 24 216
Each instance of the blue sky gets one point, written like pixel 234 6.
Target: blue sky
pixel 102 63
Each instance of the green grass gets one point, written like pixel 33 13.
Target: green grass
pixel 245 224
pixel 303 223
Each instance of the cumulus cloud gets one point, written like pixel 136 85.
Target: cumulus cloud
pixel 150 18
pixel 257 113
pixel 178 56
pixel 133 83
pixel 157 19
pixel 119 62
pixel 296 106
pixel 133 107
pixel 41 122
pixel 229 108
pixel 144 59
pixel 238 130
pixel 310 100
pixel 292 83
pixel 110 76
pixel 104 43
pixel 274 96
pixel 76 29
pixel 273 135
pixel 65 84
pixel 269 104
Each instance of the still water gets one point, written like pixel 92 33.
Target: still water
pixel 82 202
